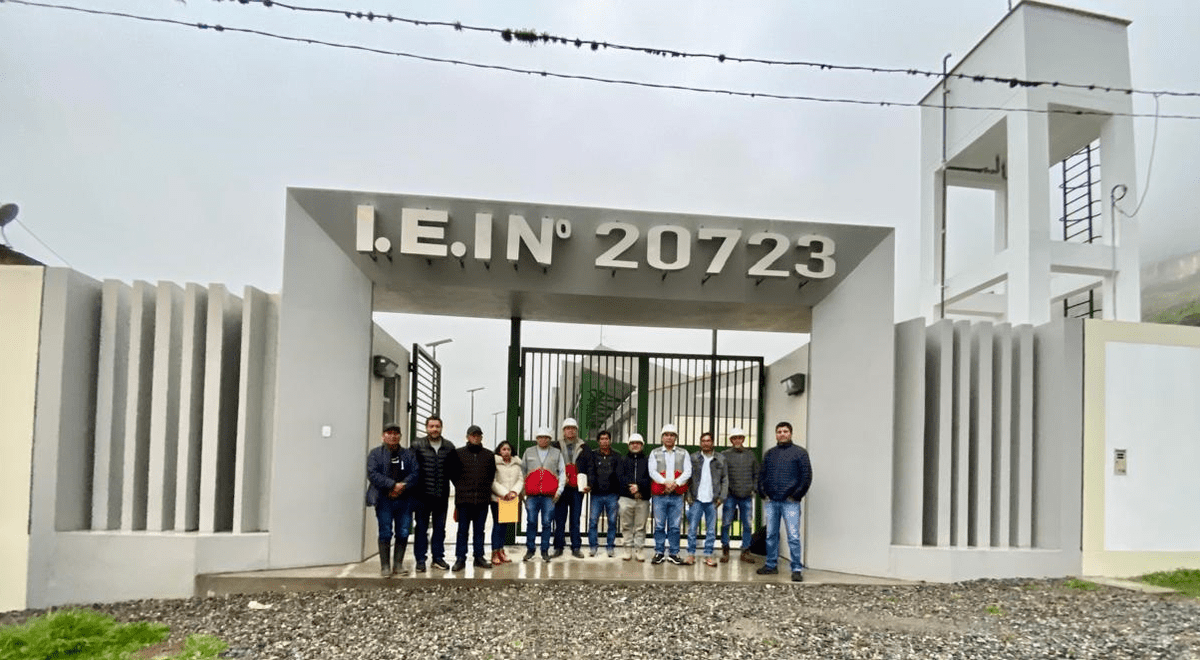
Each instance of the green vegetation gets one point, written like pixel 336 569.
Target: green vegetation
pixel 88 635
pixel 1176 314
pixel 1183 580
pixel 994 610
pixel 1082 585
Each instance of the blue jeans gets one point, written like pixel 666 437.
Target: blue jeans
pixel 668 509
pixel 608 505
pixel 470 515
pixel 538 505
pixel 393 513
pixel 499 529
pixel 431 508
pixel 744 506
pixel 789 512
pixel 709 511
pixel 570 503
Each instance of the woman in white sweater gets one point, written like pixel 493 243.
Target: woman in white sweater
pixel 509 485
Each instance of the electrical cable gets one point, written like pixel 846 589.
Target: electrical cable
pixel 1149 169
pixel 44 244
pixel 533 37
pixel 567 76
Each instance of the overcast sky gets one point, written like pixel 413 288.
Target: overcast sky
pixel 158 152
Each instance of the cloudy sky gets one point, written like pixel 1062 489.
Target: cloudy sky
pixel 150 151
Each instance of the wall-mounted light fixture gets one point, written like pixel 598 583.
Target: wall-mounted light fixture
pixel 383 366
pixel 794 384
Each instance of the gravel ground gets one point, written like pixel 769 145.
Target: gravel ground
pixel 982 619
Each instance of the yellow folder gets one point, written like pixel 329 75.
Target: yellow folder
pixel 508 510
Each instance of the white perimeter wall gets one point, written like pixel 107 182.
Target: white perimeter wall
pixel 850 421
pixel 324 379
pixel 1141 396
pixel 20 307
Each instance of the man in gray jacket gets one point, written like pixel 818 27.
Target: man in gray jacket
pixel 742 466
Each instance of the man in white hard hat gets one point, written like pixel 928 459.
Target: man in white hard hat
pixel 670 468
pixel 634 503
pixel 576 454
pixel 544 479
pixel 742 466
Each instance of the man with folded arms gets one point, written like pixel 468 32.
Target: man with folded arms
pixel 575 454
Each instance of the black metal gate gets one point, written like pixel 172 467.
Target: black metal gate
pixel 425 376
pixel 623 392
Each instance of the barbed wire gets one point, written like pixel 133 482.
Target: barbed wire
pixel 597 79
pixel 533 37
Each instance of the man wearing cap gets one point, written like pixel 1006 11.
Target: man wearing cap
pixel 575 453
pixel 706 491
pixel 472 469
pixel 742 467
pixel 605 486
pixel 784 481
pixel 432 452
pixel 670 468
pixel 633 472
pixel 545 478
pixel 392 471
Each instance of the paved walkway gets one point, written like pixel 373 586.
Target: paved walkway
pixel 600 568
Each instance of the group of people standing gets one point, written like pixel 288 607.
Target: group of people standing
pixel 554 476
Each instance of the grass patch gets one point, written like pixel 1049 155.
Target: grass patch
pixel 994 610
pixel 1082 585
pixel 88 635
pixel 1183 580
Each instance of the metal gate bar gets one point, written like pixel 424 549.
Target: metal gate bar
pixel 426 387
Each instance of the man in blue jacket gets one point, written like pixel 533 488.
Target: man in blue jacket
pixel 392 471
pixel 783 481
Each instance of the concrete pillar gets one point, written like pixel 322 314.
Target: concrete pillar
pixel 1028 215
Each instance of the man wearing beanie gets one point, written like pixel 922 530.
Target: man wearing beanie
pixel 392 471
pixel 472 468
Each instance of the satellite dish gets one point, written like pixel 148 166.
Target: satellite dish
pixel 8 213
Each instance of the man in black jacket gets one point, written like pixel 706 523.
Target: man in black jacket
pixel 472 469
pixel 634 475
pixel 605 487
pixel 432 451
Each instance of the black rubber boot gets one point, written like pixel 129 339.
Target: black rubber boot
pixel 385 556
pixel 398 557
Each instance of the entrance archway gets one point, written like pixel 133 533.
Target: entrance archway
pixel 348 254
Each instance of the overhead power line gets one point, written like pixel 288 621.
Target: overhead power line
pixel 568 76
pixel 533 37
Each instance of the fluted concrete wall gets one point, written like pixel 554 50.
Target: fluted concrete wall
pixel 154 429
pixel 986 437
